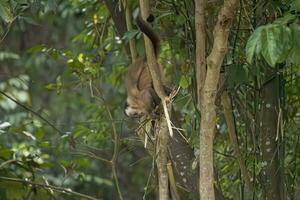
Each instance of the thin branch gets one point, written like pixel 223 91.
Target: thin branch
pixel 116 143
pixel 148 180
pixel 92 155
pixel 45 186
pixel 32 111
pixel 132 45
pixel 7 163
pixel 8 29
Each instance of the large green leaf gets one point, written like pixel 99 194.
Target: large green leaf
pixel 277 44
pixel 273 42
pixel 287 18
pixel 254 44
pixel 294 56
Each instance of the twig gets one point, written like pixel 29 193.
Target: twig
pixel 32 111
pixel 92 155
pixel 8 29
pixel 116 143
pixel 148 180
pixel 56 188
pixel 7 162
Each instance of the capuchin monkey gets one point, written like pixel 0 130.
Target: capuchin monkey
pixel 141 97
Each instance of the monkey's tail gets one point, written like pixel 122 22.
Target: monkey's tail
pixel 151 34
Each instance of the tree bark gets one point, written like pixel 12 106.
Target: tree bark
pixel 229 117
pixel 200 45
pixel 162 157
pixel 128 18
pixel 118 18
pixel 161 129
pixel 269 137
pixel 208 95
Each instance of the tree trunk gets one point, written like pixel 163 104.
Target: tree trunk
pixel 269 137
pixel 118 18
pixel 208 95
pixel 161 129
pixel 230 121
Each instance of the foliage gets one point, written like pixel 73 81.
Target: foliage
pixel 63 65
pixel 276 42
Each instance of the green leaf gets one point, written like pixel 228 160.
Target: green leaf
pixel 287 18
pixel 51 86
pixel 45 144
pixel 254 44
pixel 37 49
pixel 6 153
pixel 185 82
pixel 295 5
pixel 51 5
pixel 294 56
pixel 4 125
pixel 5 12
pixel 277 44
pixel 273 42
pixel 29 20
pixel 39 133
pixel 8 55
pixel 130 34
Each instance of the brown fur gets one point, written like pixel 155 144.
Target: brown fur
pixel 141 97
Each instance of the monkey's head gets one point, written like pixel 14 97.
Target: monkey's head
pixel 141 104
pixel 134 108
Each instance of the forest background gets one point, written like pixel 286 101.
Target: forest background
pixel 63 134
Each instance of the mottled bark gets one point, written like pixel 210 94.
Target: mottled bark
pixel 269 137
pixel 229 117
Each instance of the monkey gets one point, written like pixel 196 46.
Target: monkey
pixel 141 96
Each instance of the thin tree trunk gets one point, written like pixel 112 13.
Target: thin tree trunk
pixel 162 158
pixel 208 95
pixel 161 125
pixel 229 117
pixel 200 45
pixel 118 18
pixel 269 137
pixel 128 18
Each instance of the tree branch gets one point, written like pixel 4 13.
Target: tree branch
pixel 200 45
pixel 208 96
pixel 32 111
pixel 56 188
pixel 132 45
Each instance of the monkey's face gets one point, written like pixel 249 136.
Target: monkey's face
pixel 134 109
